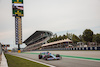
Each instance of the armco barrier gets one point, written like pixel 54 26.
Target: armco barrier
pixel 79 48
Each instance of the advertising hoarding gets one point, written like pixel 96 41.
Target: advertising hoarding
pixel 17 1
pixel 17 7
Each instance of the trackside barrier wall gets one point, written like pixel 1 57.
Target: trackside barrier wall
pixel 3 61
pixel 0 50
pixel 78 48
pixel 0 53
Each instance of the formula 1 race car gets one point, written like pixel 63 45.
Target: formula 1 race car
pixel 49 56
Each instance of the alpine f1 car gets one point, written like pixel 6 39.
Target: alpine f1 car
pixel 49 56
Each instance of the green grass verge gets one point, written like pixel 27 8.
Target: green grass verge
pixel 14 61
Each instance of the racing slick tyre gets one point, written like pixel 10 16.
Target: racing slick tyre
pixel 40 56
pixel 57 55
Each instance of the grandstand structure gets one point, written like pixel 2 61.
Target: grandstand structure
pixel 36 40
pixel 66 43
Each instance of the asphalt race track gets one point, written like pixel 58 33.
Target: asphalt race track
pixel 64 62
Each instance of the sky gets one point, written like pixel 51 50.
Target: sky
pixel 57 16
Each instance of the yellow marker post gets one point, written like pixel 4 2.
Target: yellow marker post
pixel 19 51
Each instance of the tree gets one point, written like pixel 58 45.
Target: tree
pixel 94 38
pixel 80 37
pixel 60 37
pixel 69 35
pixel 88 35
pixel 64 37
pixel 55 35
pixel 97 38
pixel 75 39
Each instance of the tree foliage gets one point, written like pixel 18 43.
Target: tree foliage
pixel 57 38
pixel 88 35
pixel 80 37
pixel 75 39
pixel 96 38
pixel 69 35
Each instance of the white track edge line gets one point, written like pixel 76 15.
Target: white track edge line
pixel 36 61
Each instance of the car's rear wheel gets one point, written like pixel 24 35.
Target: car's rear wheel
pixel 40 56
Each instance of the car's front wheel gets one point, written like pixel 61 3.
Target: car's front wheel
pixel 57 55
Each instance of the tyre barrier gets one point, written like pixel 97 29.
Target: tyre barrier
pixel 77 48
pixel 98 48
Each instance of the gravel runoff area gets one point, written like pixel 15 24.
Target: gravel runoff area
pixel 91 54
